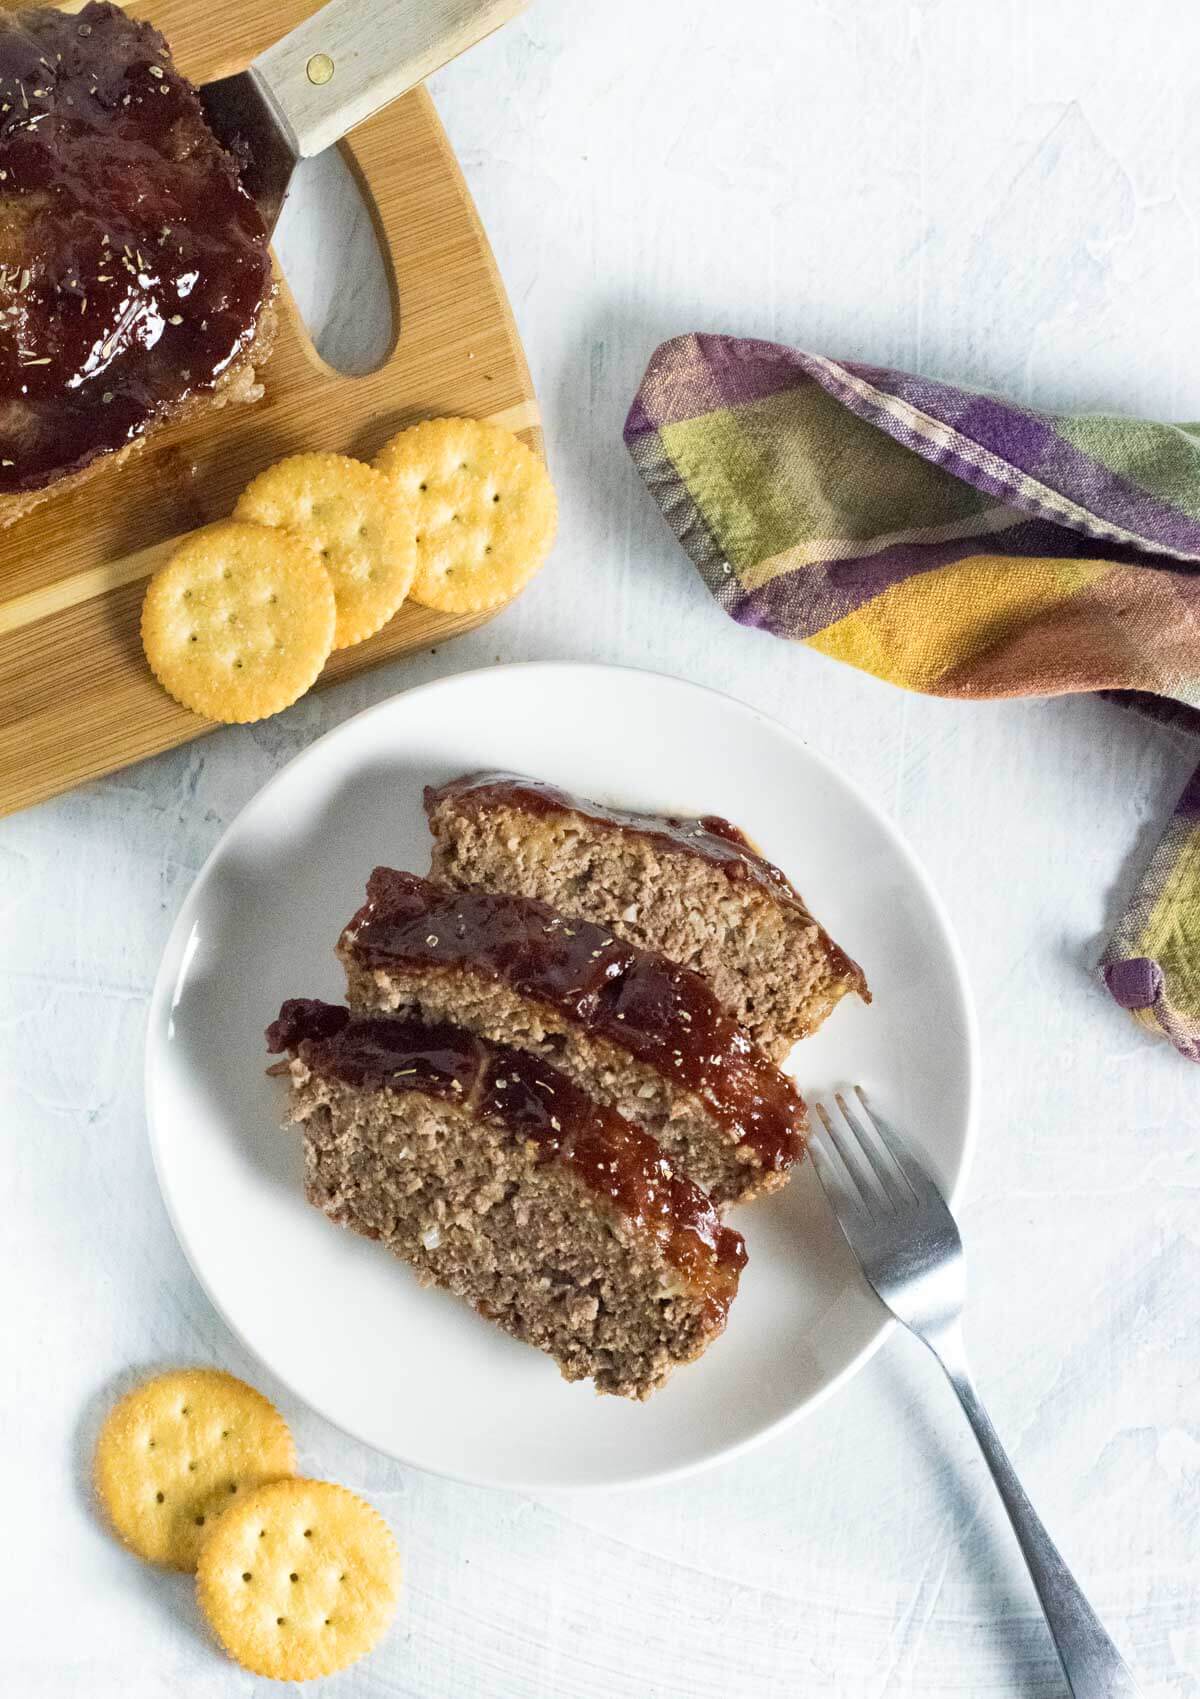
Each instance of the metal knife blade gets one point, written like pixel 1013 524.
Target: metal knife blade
pixel 332 71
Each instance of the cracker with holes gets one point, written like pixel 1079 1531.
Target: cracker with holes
pixel 239 622
pixel 484 510
pixel 300 1580
pixel 180 1451
pixel 356 522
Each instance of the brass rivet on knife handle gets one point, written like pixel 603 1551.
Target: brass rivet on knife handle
pixel 380 48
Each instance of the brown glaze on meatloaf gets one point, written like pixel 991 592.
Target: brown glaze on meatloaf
pixel 496 1178
pixel 695 889
pixel 663 1015
pixel 506 1087
pixel 134 268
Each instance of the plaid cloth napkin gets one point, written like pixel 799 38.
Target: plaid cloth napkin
pixel 957 544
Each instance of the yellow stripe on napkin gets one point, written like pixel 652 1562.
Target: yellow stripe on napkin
pixel 915 631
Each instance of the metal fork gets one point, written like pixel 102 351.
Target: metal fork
pixel 900 1228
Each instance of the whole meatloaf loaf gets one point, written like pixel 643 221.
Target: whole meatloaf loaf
pixel 135 276
pixel 496 1178
pixel 696 889
pixel 639 1033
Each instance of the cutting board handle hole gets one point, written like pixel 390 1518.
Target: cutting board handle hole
pixel 327 242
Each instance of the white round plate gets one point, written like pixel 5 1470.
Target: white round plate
pixel 346 1327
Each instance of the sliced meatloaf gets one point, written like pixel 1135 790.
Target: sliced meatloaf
pixel 641 1034
pixel 497 1178
pixel 697 890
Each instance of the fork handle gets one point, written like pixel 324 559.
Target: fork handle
pixel 1091 1663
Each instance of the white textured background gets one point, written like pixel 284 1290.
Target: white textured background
pixel 1004 192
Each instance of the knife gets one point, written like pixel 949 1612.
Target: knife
pixel 331 72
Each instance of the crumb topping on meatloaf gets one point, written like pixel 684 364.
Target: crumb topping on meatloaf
pixel 133 265
pixel 496 1084
pixel 662 1014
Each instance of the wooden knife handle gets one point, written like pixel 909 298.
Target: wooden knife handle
pixel 354 56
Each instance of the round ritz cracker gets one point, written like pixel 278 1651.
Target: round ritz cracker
pixel 300 1580
pixel 178 1452
pixel 239 622
pixel 357 524
pixel 484 507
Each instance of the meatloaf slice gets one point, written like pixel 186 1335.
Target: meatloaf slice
pixel 496 1178
pixel 641 1034
pixel 697 890
pixel 135 274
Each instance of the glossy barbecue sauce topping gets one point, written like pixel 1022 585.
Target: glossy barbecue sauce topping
pixel 707 836
pixel 532 1100
pixel 662 1014
pixel 133 266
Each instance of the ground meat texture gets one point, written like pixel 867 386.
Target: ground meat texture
pixel 639 1033
pixel 495 1178
pixel 696 890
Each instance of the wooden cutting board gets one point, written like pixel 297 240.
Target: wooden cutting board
pixel 76 698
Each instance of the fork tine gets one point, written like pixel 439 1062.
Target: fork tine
pixel 917 1176
pixel 891 1179
pixel 837 1182
pixel 854 1160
